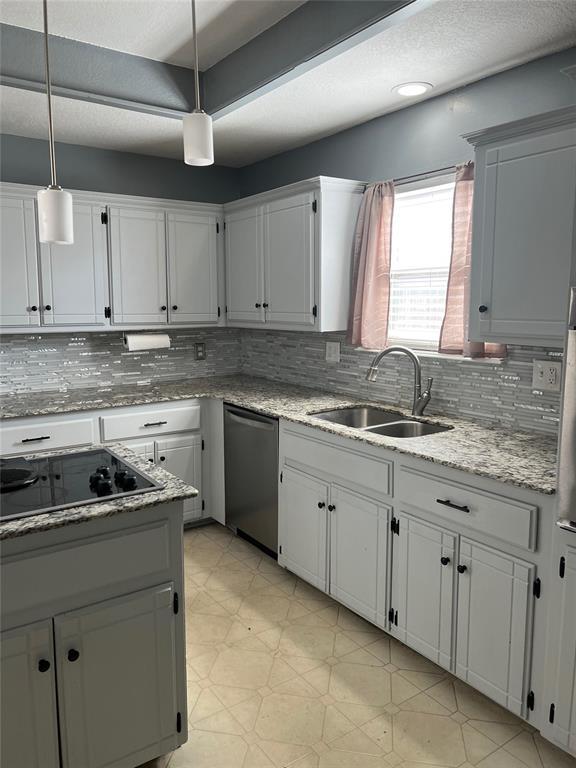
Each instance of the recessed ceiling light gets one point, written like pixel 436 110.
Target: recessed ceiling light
pixel 412 89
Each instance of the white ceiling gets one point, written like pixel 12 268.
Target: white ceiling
pixel 155 29
pixel 450 43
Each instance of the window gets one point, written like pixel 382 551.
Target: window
pixel 420 262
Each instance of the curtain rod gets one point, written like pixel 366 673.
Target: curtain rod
pixel 421 176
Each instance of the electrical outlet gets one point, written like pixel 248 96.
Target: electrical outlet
pixel 333 351
pixel 200 351
pixel 547 376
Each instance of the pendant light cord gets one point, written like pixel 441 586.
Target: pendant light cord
pixel 53 182
pixel 197 106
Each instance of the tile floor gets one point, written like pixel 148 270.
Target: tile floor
pixel 281 675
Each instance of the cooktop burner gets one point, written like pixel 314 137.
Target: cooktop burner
pixel 49 484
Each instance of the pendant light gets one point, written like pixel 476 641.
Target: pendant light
pixel 198 141
pixel 54 204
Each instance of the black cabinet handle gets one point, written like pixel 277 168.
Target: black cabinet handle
pixel 48 307
pixel 265 305
pixel 34 308
pixel 73 654
pixel 174 307
pixel 331 507
pixel 163 308
pixel 257 306
pixel 43 665
pixel 162 458
pixel 462 568
pixel 482 308
pixel 35 439
pixel 444 560
pixel 448 503
pixel 155 423
pixel 321 504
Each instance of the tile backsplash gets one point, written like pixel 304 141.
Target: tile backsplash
pixel 490 392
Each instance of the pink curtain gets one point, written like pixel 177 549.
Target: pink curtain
pixel 368 326
pixel 454 332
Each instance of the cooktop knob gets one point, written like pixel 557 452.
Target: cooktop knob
pixel 104 487
pixel 95 478
pixel 130 483
pixel 119 476
pixel 104 470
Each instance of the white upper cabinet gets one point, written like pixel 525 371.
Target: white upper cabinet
pixel 138 266
pixel 19 291
pixel 192 268
pixel 74 277
pixel 289 260
pixel 524 231
pixel 289 256
pixel 244 267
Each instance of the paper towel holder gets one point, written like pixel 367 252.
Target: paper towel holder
pixel 142 342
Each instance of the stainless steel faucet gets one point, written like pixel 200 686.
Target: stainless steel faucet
pixel 421 399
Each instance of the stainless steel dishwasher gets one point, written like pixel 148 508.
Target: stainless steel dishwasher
pixel 251 467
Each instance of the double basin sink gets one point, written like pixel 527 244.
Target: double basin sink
pixel 380 422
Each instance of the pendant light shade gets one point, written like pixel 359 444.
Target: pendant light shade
pixel 197 126
pixel 198 142
pixel 55 221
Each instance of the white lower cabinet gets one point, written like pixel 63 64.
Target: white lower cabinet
pixel 421 614
pixel 358 547
pixel 494 623
pixel 303 526
pixel 182 456
pixel 29 723
pixel 116 678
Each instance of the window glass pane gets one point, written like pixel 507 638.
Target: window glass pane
pixel 421 244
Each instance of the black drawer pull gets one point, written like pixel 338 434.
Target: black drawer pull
pixel 331 507
pixel 174 307
pixel 33 308
pixel 73 654
pixel 265 305
pixel 35 439
pixel 321 504
pixel 155 423
pixel 482 308
pixel 163 307
pixel 48 307
pixel 257 305
pixel 461 568
pixel 43 665
pixel 448 503
pixel 444 560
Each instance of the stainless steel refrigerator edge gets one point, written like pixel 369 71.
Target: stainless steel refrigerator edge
pixel 567 447
pixel 251 474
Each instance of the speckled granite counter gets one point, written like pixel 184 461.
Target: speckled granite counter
pixel 522 459
pixel 173 490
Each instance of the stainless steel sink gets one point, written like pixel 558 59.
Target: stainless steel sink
pixel 360 417
pixel 408 429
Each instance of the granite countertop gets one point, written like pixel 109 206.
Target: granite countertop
pixel 174 490
pixel 523 459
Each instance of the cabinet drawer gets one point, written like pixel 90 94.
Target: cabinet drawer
pixel 32 435
pixel 140 423
pixel 84 566
pixel 352 466
pixel 494 515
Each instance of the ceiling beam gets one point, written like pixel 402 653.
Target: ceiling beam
pixel 91 73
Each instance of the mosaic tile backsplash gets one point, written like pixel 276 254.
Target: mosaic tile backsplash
pixel 484 391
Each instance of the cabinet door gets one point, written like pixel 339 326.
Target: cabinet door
pixel 143 448
pixel 358 540
pixel 28 698
pixel 564 629
pixel 494 623
pixel 422 588
pixel 182 456
pixel 138 264
pixel 19 290
pixel 289 261
pixel 524 236
pixel 74 290
pixel 193 268
pixel 302 526
pixel 244 267
pixel 117 692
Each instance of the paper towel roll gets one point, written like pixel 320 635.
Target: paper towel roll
pixel 136 342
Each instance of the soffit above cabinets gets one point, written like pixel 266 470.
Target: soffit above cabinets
pixel 154 29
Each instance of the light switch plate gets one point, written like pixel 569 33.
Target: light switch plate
pixel 200 351
pixel 547 376
pixel 333 351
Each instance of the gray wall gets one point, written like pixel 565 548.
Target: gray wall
pixel 426 136
pixel 25 161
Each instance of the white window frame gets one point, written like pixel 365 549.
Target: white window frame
pixel 423 182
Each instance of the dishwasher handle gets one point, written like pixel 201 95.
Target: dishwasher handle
pixel 252 420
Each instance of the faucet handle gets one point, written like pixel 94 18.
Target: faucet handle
pixel 429 381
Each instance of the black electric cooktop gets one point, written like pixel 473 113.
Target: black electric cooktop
pixel 51 483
